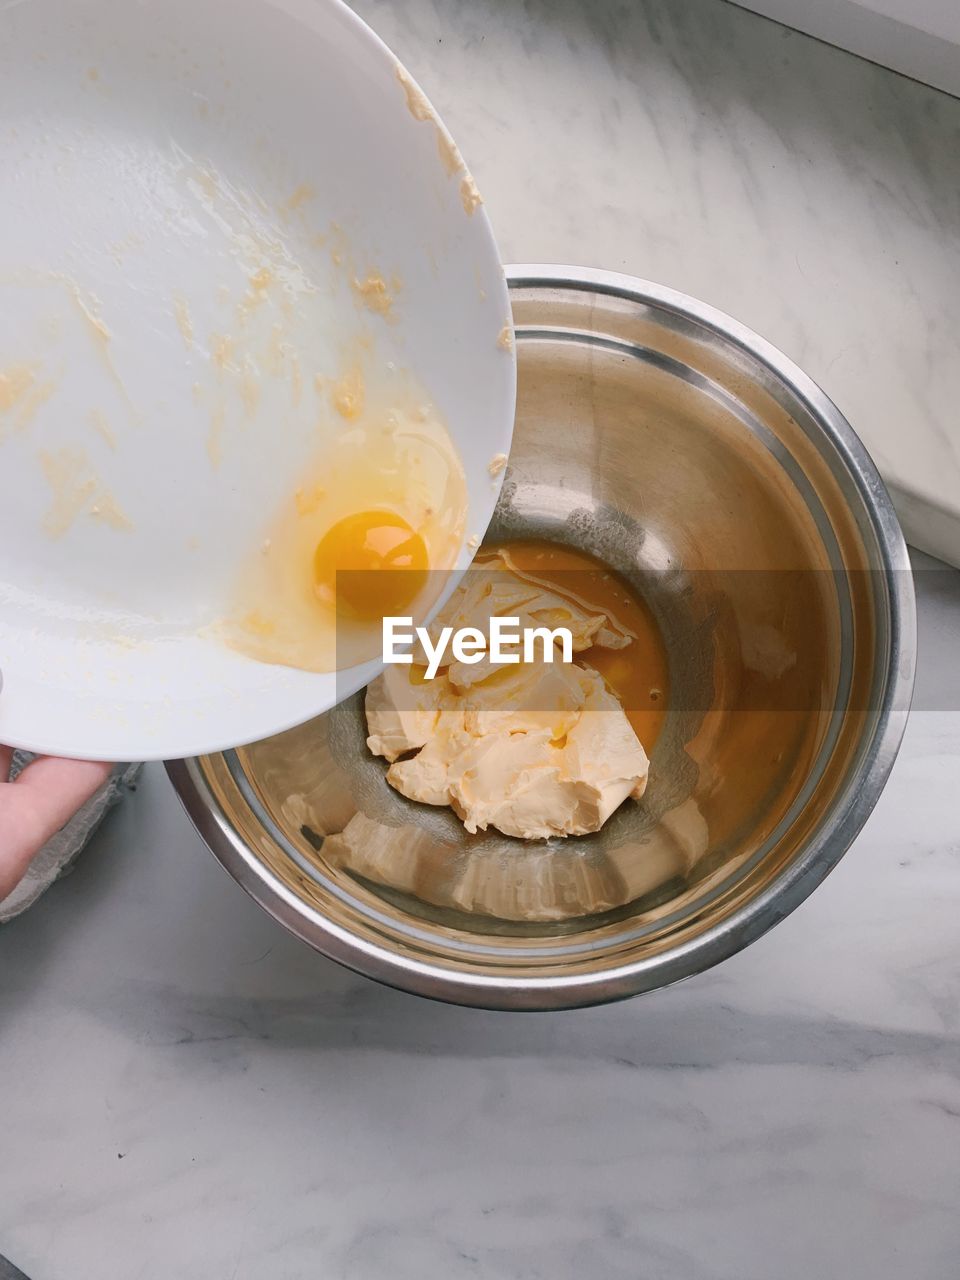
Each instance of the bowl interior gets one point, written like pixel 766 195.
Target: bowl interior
pixel 204 200
pixel 664 446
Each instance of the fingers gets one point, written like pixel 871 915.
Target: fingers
pixel 33 808
pixel 16 852
pixel 58 788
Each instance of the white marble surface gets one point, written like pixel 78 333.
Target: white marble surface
pixel 189 1092
pixel 811 194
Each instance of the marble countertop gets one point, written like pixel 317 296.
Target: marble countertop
pixel 810 194
pixel 189 1092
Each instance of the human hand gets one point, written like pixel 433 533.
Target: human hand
pixel 45 795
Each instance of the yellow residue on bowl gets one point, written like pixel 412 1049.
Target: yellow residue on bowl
pixel 348 394
pixel 21 395
pixel 106 508
pixel 15 382
pixel 374 292
pixel 387 492
pixel 77 491
pixel 469 195
pixel 418 106
pixel 302 195
pixel 181 310
pixel 101 426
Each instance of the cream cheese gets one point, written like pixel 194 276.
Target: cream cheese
pixel 536 749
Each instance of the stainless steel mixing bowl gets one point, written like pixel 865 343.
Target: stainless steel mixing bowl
pixel 696 459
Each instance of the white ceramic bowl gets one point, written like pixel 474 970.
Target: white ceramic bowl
pixel 155 155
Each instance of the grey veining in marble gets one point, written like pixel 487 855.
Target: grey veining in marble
pixel 811 194
pixel 189 1092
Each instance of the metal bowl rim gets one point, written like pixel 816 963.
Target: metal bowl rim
pixel 787 890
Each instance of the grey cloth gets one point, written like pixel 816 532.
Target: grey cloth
pixel 59 854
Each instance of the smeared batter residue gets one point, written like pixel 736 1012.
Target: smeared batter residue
pixel 449 152
pixel 374 293
pixel 505 338
pixel 348 394
pixel 257 625
pixel 417 104
pixel 470 196
pixel 21 394
pixel 77 492
pixel 261 280
pixel 89 309
pixel 184 323
pixel 72 494
pixel 221 349
pixel 249 387
pixel 105 508
pixel 308 500
pixel 15 382
pixel 102 427
pixel 38 396
pixel 450 157
pixel 301 196
pixel 260 283
pixel 497 463
pixel 205 182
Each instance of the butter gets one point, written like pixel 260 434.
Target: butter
pixel 534 749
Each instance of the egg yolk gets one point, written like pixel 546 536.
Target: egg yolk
pixel 381 561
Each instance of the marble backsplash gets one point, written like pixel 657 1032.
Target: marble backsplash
pixel 810 194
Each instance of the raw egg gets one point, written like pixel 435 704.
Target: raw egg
pixel 370 564
pixel 371 523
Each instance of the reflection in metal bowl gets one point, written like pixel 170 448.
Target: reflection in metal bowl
pixel 683 451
